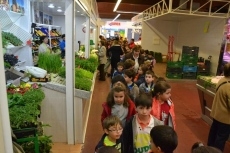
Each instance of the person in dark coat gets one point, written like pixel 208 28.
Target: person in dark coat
pixel 115 51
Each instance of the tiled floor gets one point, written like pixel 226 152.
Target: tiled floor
pixel 65 148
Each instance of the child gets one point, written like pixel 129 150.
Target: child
pixel 146 52
pixel 199 147
pixel 163 107
pixel 140 76
pixel 118 104
pixel 136 136
pixel 119 71
pixel 148 85
pixel 151 59
pixel 112 127
pixel 129 64
pixel 133 88
pixel 107 149
pixel 163 139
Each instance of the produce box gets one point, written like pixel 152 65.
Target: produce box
pixel 174 75
pixel 175 64
pixel 189 75
pixel 190 50
pixel 45 79
pixel 188 68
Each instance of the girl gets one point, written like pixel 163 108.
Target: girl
pixel 140 76
pixel 118 104
pixel 162 106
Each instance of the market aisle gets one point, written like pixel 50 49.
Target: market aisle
pixel 190 127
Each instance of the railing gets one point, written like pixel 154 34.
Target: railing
pixel 165 6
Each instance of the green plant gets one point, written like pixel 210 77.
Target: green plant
pixel 50 62
pixel 81 73
pixel 86 64
pixel 4 42
pixel 61 72
pixel 83 83
pixel 11 38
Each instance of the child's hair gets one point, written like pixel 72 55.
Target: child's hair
pixel 151 53
pixel 144 68
pixel 130 73
pixel 227 70
pixel 128 64
pixel 142 51
pixel 118 88
pixel 118 78
pixel 144 100
pixel 111 121
pixel 165 137
pixel 198 147
pixel 146 52
pixel 120 64
pixel 160 87
pixel 107 149
pixel 137 48
pixel 149 72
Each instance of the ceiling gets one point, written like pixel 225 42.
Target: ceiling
pixel 105 7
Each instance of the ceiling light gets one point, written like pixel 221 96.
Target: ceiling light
pixel 116 17
pixel 116 6
pixel 82 5
pixel 59 10
pixel 51 6
pixel 59 7
pixel 78 11
pixel 127 12
pixel 82 14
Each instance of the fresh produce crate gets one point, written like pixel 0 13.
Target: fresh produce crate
pixel 187 68
pixel 158 57
pixel 189 75
pixel 190 50
pixel 174 75
pixel 174 69
pixel 175 64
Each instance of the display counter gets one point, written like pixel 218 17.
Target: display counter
pixel 206 86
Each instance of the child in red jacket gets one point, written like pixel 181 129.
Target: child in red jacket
pixel 118 104
pixel 162 106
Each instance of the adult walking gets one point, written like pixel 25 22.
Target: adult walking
pixel 115 52
pixel 102 59
pixel 220 128
pixel 135 56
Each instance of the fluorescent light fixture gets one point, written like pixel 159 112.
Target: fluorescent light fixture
pixel 116 17
pixel 59 10
pixel 127 12
pixel 116 6
pixel 51 6
pixel 82 14
pixel 59 7
pixel 78 11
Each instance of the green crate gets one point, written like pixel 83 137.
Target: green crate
pixel 178 64
pixel 174 75
pixel 189 57
pixel 158 57
pixel 190 63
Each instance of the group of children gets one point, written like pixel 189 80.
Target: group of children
pixel 128 123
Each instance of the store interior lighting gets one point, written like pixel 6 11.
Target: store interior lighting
pixel 59 10
pixel 82 5
pixel 116 6
pixel 116 17
pixel 51 6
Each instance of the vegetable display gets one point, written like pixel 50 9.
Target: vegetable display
pixel 11 59
pixel 50 62
pixel 11 38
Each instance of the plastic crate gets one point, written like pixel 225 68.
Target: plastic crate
pixel 190 63
pixel 204 73
pixel 189 75
pixel 174 75
pixel 174 69
pixel 189 57
pixel 203 68
pixel 175 64
pixel 190 50
pixel 187 68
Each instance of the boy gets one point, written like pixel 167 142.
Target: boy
pixel 133 88
pixel 163 139
pixel 107 149
pixel 148 85
pixel 129 64
pixel 119 71
pixel 151 59
pixel 136 135
pixel 112 127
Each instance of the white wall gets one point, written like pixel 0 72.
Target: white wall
pixel 191 33
pixel 80 35
pixel 158 29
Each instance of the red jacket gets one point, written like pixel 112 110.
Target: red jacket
pixel 156 112
pixel 107 110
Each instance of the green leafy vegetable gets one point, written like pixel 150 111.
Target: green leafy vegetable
pixel 50 62
pixel 83 83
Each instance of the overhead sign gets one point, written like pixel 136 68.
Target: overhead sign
pixel 114 23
